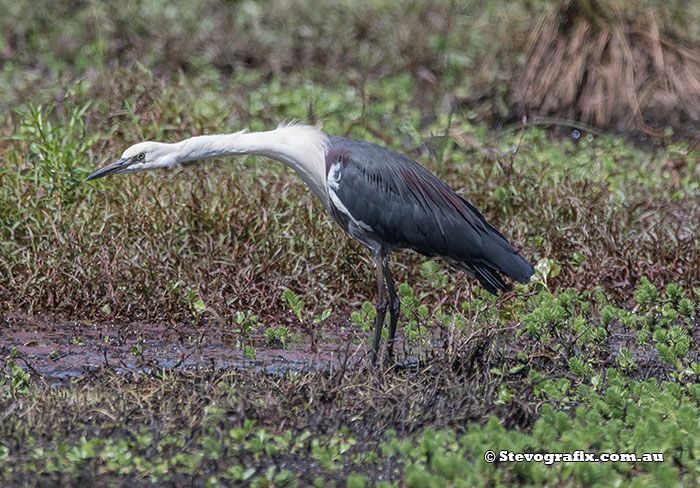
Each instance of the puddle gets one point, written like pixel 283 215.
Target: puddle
pixel 60 351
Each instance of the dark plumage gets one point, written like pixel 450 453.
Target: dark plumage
pixel 407 206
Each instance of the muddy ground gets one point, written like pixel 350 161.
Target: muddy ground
pixel 62 350
pixel 59 351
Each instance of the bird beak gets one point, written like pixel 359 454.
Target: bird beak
pixel 115 167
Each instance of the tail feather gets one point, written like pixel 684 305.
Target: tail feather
pixel 518 268
pixel 489 278
pixel 499 255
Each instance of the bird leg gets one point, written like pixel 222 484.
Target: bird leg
pixel 381 307
pixel 394 307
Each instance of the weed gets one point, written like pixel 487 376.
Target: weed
pixel 249 352
pixel 364 318
pixel 306 319
pixel 246 323
pixel 190 299
pixel 625 361
pixel 274 335
pixel 295 304
pixel 15 380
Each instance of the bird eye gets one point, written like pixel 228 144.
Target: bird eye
pixel 141 156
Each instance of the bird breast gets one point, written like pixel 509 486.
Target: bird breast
pixel 355 227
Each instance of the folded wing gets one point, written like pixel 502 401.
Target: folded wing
pixel 406 206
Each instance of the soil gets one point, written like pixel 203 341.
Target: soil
pixel 60 351
pixel 64 350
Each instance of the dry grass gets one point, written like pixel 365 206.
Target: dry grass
pixel 595 63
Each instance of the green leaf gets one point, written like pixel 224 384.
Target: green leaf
pixel 199 306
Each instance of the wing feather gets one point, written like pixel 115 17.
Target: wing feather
pixel 406 206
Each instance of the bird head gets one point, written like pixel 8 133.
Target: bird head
pixel 140 157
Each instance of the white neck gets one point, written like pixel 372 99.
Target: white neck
pixel 301 147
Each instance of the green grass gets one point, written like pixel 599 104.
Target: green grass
pixel 598 353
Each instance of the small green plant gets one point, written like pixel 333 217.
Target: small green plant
pixel 194 302
pixel 553 389
pixel 672 345
pixel 136 350
pixel 417 313
pixel 364 318
pixel 295 304
pixel 356 481
pixel 306 319
pixel 625 360
pixel 504 395
pixel 60 149
pixel 580 367
pixel 250 352
pixel 190 298
pixel 321 317
pixel 15 380
pixel 409 301
pixel 695 368
pixel 277 335
pixel 548 319
pixel 685 307
pixel 643 336
pixel 588 333
pixel 545 270
pixel 436 275
pixel 674 292
pixel 646 293
pixel 246 323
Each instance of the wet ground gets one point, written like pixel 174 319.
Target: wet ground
pixel 64 350
pixel 58 351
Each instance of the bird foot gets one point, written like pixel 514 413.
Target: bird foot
pixel 389 364
pixel 405 365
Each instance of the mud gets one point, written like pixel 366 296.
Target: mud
pixel 59 351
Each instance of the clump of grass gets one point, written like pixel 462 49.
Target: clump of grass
pixel 608 64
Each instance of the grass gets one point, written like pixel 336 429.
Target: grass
pixel 214 227
pixel 599 353
pixel 605 63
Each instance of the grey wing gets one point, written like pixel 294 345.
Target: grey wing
pixel 406 206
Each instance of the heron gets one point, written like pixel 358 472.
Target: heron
pixel 382 198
